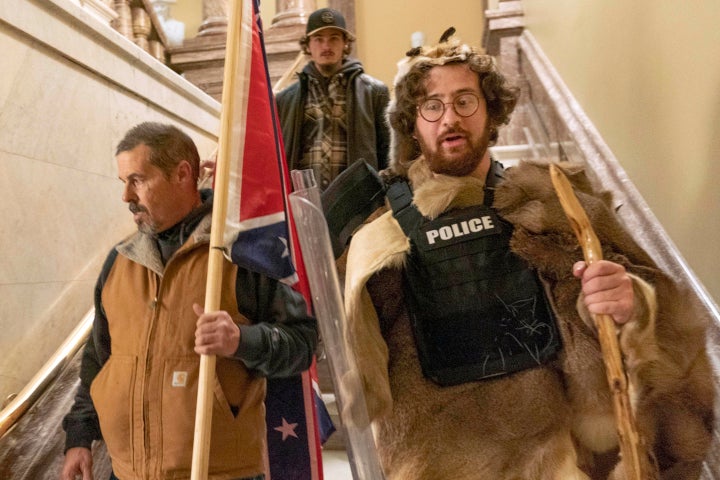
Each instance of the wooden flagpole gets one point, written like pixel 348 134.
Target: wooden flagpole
pixel 203 412
pixel 637 462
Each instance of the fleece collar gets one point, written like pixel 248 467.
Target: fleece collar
pixel 142 248
pixel 434 194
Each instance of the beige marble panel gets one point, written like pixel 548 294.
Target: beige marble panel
pixel 41 319
pixel 58 215
pixel 127 113
pixel 14 53
pixel 63 222
pixel 47 102
pixel 69 90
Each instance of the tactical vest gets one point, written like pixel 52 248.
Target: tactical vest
pixel 477 310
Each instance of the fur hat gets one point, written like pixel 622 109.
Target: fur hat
pixel 447 50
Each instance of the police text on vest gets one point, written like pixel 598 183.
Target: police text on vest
pixel 460 228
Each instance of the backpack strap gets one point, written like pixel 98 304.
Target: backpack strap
pixel 400 197
pixel 493 179
pixel 350 199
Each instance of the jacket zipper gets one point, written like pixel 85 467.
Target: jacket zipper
pixel 146 387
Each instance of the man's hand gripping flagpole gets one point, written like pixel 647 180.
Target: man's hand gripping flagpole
pixel 203 412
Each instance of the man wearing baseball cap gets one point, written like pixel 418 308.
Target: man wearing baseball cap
pixel 334 115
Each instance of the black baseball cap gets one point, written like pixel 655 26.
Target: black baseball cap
pixel 326 18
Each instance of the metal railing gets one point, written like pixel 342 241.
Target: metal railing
pixel 22 401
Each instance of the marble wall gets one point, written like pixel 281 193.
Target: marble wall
pixel 70 87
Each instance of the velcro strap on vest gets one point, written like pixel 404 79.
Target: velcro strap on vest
pixel 400 198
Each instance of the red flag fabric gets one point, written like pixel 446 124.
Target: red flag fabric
pixel 256 229
pixel 258 237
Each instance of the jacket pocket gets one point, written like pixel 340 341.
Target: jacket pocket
pixel 179 396
pixel 111 392
pixel 179 401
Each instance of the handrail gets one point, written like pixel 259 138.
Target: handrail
pixel 610 175
pixel 36 386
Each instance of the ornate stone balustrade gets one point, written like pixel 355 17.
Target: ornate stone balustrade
pixel 201 59
pixel 139 22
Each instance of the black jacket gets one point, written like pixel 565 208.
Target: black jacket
pixel 368 132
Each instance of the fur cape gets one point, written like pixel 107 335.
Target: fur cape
pixel 549 422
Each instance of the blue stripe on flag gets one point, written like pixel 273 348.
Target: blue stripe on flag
pixel 288 441
pixel 264 250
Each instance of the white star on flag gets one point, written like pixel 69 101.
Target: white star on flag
pixel 286 252
pixel 287 429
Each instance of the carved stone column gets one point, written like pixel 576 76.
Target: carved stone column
pixel 123 22
pixel 215 18
pixel 142 26
pixel 137 21
pixel 201 59
pixel 282 36
pixel 347 8
pixel 503 27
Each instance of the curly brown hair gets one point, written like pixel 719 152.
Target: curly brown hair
pixel 410 89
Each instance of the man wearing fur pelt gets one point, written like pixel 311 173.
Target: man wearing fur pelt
pixel 469 306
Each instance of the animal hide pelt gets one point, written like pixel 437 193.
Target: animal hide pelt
pixel 663 347
pixel 551 422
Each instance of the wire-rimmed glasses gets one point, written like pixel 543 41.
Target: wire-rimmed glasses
pixel 464 105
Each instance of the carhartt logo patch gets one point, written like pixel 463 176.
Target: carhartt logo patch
pixel 179 379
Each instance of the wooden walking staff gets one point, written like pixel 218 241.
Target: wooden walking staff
pixel 632 448
pixel 228 141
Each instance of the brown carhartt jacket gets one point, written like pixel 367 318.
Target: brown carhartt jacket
pixel 145 395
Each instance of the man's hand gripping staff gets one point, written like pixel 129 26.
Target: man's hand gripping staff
pixel 633 450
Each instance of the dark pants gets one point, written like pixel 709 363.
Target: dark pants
pixel 259 477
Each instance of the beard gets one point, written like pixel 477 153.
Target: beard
pixel 144 226
pixel 456 165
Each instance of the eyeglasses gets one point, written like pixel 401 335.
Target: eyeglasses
pixel 464 105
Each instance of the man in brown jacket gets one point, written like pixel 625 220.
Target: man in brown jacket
pixel 140 367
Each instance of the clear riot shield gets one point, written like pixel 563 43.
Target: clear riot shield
pixel 327 301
